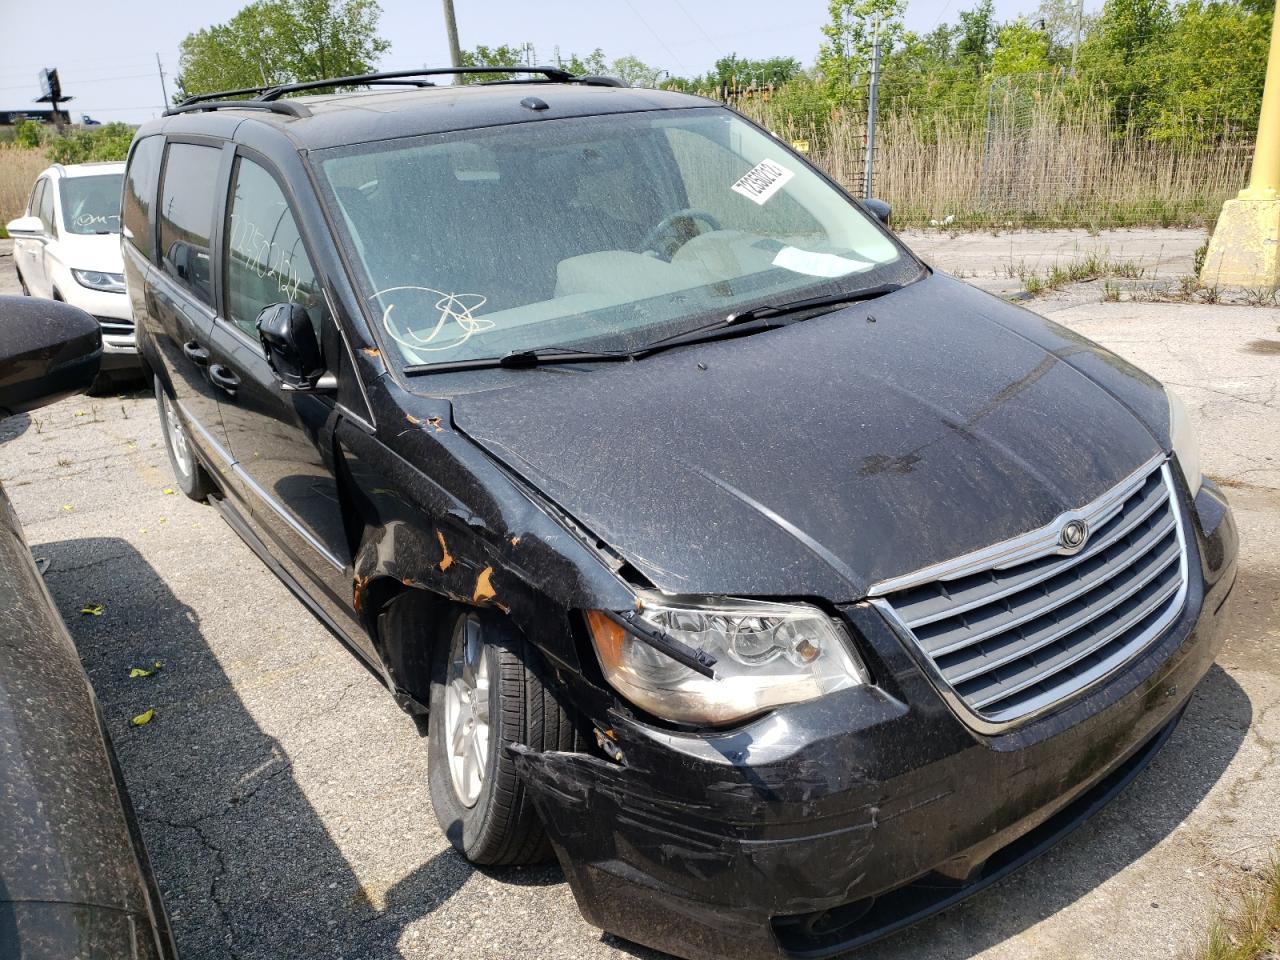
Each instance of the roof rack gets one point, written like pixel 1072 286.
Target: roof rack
pixel 268 97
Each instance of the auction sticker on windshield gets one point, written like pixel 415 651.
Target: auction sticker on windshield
pixel 762 181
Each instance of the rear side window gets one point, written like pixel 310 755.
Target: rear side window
pixel 141 181
pixel 186 216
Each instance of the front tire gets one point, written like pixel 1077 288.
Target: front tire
pixel 187 472
pixel 485 695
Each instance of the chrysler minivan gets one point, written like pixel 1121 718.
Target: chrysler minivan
pixel 783 587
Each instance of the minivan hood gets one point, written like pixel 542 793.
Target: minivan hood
pixel 97 251
pixel 822 457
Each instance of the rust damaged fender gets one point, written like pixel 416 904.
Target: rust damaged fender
pixel 430 511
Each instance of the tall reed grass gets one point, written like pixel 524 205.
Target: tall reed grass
pixel 1031 161
pixel 18 171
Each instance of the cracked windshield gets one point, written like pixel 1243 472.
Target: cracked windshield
pixel 631 228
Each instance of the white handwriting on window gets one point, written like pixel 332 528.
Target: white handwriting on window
pixel 265 258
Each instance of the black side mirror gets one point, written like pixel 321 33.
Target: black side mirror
pixel 290 343
pixel 49 350
pixel 881 210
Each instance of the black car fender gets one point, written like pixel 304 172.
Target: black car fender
pixel 457 532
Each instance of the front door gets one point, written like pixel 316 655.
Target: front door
pixel 28 252
pixel 282 441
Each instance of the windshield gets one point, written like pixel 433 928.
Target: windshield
pixel 611 231
pixel 92 204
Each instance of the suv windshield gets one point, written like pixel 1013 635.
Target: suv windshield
pixel 607 231
pixel 92 204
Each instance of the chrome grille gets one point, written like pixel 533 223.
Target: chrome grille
pixel 1015 628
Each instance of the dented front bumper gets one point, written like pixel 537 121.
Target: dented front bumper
pixel 825 825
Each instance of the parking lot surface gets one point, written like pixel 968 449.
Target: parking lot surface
pixel 283 797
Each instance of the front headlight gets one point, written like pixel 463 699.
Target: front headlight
pixel 96 280
pixel 1182 437
pixel 767 654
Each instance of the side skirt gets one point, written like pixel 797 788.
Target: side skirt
pixel 246 533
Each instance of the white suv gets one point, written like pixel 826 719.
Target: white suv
pixel 67 247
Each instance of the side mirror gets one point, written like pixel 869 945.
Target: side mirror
pixel 291 347
pixel 25 227
pixel 50 350
pixel 881 210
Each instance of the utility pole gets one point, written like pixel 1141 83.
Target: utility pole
pixel 1244 250
pixel 873 96
pixel 163 89
pixel 1075 41
pixel 451 28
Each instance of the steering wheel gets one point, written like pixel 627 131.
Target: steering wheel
pixel 675 239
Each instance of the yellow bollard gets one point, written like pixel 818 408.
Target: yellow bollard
pixel 1244 250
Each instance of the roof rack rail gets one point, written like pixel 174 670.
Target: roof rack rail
pixel 552 74
pixel 268 97
pixel 287 107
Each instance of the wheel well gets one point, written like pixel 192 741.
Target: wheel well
pixel 407 623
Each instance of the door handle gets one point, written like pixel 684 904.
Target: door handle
pixel 196 353
pixel 224 379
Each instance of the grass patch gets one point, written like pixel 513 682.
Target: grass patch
pixel 1251 931
pixel 1093 267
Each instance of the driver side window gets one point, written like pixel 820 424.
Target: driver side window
pixel 266 260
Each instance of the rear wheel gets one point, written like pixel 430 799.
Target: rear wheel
pixel 485 695
pixel 187 472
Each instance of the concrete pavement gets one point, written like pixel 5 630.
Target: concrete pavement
pixel 282 794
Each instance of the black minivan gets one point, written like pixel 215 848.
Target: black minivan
pixel 787 589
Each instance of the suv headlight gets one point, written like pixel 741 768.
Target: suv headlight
pixel 1182 437
pixel 96 280
pixel 767 654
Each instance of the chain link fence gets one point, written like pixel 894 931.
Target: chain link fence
pixel 1021 151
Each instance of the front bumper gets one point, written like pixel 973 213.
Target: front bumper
pixel 824 825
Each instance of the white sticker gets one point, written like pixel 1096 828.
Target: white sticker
pixel 762 181
pixel 817 264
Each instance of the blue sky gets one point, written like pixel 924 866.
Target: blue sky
pixel 107 60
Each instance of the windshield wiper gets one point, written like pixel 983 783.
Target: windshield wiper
pixel 517 359
pixel 769 311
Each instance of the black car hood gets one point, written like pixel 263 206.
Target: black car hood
pixel 817 459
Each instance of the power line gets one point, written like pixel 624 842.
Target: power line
pixel 662 43
pixel 689 17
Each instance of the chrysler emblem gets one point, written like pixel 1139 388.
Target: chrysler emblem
pixel 1073 535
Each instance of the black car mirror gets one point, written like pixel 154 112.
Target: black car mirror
pixel 292 350
pixel 881 210
pixel 50 350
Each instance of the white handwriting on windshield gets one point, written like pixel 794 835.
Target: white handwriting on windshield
pixel 95 219
pixel 266 259
pixel 454 325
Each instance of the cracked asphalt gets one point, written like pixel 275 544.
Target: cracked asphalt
pixel 282 794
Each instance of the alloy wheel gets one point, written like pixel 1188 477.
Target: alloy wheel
pixel 467 711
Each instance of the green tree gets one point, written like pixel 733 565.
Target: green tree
pixel 1020 48
pixel 635 72
pixel 505 55
pixel 977 35
pixel 736 71
pixel 282 41
pixel 592 65
pixel 107 142
pixel 27 134
pixel 845 55
pixel 1207 71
